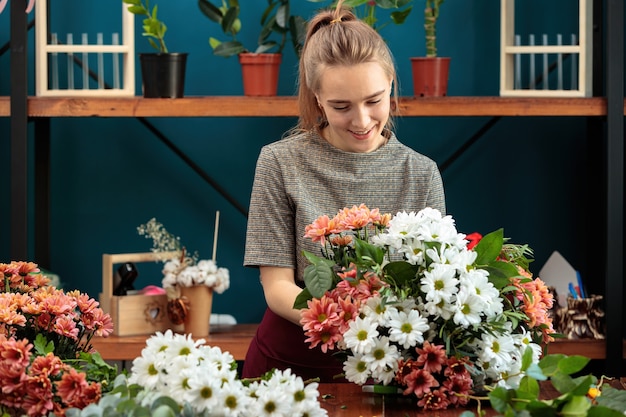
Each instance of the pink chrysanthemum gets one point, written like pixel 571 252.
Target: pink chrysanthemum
pixel 431 357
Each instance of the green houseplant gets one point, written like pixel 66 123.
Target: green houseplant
pixel 430 73
pixel 163 72
pixel 260 67
pixel 366 11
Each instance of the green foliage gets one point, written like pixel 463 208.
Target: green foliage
pixel 92 364
pixel 153 28
pixel 574 399
pixel 130 400
pixel 276 19
pixel 366 11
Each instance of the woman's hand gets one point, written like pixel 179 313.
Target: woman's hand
pixel 280 291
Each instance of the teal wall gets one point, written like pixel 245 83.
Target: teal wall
pixel 530 176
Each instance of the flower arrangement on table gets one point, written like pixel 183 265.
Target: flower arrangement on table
pixel 183 269
pixel 179 376
pixel 408 302
pixel 47 363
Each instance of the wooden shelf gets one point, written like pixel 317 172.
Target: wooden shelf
pixel 286 106
pixel 591 348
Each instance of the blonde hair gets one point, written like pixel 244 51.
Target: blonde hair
pixel 334 38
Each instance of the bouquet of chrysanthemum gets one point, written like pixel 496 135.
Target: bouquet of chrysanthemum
pixel 47 363
pixel 188 378
pixel 407 303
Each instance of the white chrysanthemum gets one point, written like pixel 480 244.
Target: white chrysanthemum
pixel 234 400
pixel 402 227
pixel 375 308
pixel 204 392
pixel 524 340
pixel 439 284
pixel 361 336
pixel 407 329
pixel 477 281
pixel 464 259
pixel 414 251
pixel 468 308
pixel 145 371
pixel 270 403
pixel 356 369
pixel 382 356
pixel 444 254
pixel 496 350
pixel 178 383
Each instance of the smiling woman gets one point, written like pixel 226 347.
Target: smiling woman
pixel 343 152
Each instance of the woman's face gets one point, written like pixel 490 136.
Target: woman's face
pixel 356 102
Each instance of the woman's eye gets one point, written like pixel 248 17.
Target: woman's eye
pixel 374 101
pixel 340 108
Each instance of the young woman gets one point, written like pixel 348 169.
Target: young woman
pixel 343 152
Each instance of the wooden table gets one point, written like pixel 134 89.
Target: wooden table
pixel 349 400
pixel 234 338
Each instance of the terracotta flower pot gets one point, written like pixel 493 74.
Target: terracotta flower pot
pixel 430 76
pixel 260 73
pixel 198 319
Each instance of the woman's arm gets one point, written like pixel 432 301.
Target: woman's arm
pixel 280 291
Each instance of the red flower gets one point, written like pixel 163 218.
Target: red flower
pixel 473 238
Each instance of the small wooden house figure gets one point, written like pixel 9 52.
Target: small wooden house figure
pixel 78 67
pixel 512 52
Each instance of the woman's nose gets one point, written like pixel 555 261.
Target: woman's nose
pixel 361 118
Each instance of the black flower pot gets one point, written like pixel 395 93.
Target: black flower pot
pixel 163 75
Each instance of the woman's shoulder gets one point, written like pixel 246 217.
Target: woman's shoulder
pixel 291 144
pixel 400 149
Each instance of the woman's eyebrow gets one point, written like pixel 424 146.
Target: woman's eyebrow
pixel 371 96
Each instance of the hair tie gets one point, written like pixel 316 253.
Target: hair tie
pixel 336 20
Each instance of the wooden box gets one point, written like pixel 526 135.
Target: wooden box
pixel 133 314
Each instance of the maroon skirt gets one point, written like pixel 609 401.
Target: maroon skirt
pixel 279 344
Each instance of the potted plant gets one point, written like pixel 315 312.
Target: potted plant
pixel 366 10
pixel 260 68
pixel 430 73
pixel 163 72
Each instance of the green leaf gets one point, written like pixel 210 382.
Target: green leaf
pixel 500 398
pixel 527 358
pixel 319 278
pixel 528 388
pixel 226 49
pixel 401 272
pixel 613 398
pixel 231 15
pixel 562 382
pixel 577 406
pixel 582 385
pixel 42 345
pixel 301 299
pixel 210 10
pixel 534 371
pixel 365 250
pixel 489 247
pixel 265 47
pixel 550 363
pixel 399 17
pixel 572 364
pixel 139 10
pixel 164 402
pixel 601 411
